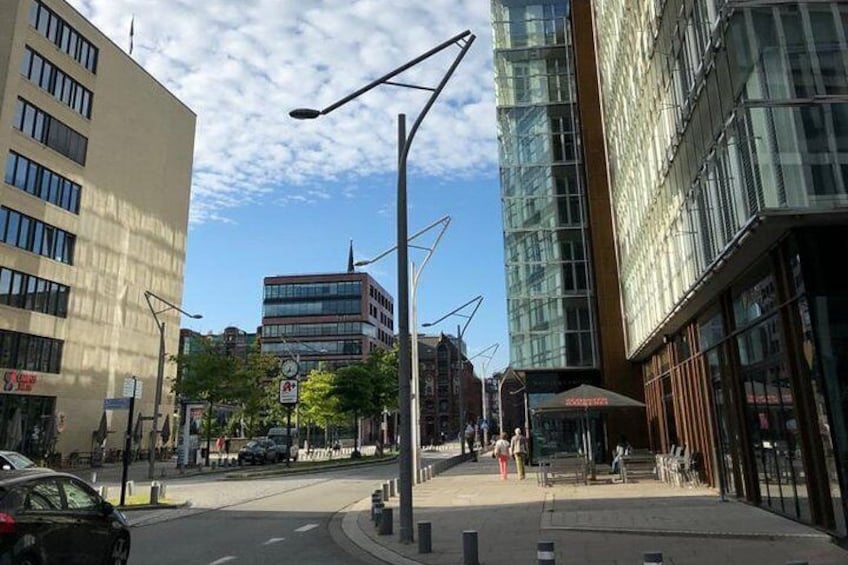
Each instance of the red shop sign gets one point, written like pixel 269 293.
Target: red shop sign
pixel 17 381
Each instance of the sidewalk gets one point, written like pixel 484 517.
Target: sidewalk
pixel 599 523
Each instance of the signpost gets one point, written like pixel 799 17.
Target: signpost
pixel 132 390
pixel 288 398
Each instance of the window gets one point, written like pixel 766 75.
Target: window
pixel 78 496
pixel 19 230
pixel 29 292
pixel 46 129
pixel 44 496
pixel 30 352
pixel 52 79
pixel 63 35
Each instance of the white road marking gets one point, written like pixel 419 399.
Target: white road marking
pixel 223 560
pixel 306 528
pixel 273 540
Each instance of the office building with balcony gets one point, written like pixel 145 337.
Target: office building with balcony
pixel 565 326
pixel 94 206
pixel 334 318
pixel 727 135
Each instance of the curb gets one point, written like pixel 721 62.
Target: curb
pixel 771 536
pixel 246 475
pixel 352 531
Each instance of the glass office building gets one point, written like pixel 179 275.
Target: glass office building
pixel 727 135
pixel 562 289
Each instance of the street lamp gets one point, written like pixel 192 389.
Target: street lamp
pixel 160 372
pixel 486 359
pixel 460 331
pixel 415 400
pixel 463 41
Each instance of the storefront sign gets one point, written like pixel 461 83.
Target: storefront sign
pixel 18 381
pixel 599 401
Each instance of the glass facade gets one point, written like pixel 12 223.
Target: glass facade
pixel 716 112
pixel 550 299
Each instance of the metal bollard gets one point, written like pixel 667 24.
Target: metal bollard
pixel 425 537
pixel 375 499
pixel 385 522
pixel 130 488
pixel 469 548
pixel 545 553
pixel 378 513
pixel 94 477
pixel 154 493
pixel 392 490
pixel 385 491
pixel 652 558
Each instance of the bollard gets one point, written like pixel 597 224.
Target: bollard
pixel 94 477
pixel 103 491
pixel 652 558
pixel 375 500
pixel 378 512
pixel 385 491
pixel 154 493
pixel 469 547
pixel 385 522
pixel 545 553
pixel 425 537
pixel 392 490
pixel 130 488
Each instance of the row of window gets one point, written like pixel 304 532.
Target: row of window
pixel 33 235
pixel 28 352
pixel 381 298
pixel 42 183
pixel 63 35
pixel 29 292
pixel 312 308
pixel 301 330
pixel 52 79
pixel 46 129
pixel 305 290
pixel 341 347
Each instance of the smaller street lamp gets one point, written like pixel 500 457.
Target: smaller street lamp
pixel 487 357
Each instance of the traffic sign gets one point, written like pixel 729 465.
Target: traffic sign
pixel 116 403
pixel 130 384
pixel 288 391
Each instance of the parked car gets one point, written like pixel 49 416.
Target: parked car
pixel 13 460
pixel 280 438
pixel 257 451
pixel 51 517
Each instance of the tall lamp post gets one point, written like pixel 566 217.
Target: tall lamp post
pixel 463 41
pixel 416 274
pixel 160 372
pixel 460 331
pixel 487 357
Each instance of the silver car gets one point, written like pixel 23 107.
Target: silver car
pixel 13 460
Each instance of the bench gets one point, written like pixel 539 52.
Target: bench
pixel 637 463
pixel 562 468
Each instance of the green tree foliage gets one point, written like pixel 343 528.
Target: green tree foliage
pixel 318 403
pixel 259 407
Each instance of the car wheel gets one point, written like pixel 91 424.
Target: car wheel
pixel 120 552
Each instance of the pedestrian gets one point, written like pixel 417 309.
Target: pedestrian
pixel 622 449
pixel 501 453
pixel 469 437
pixel 518 449
pixel 227 445
pixel 219 446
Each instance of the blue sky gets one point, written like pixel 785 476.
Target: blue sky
pixel 273 196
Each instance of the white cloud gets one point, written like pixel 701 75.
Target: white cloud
pixel 241 66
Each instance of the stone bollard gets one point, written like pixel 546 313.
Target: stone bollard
pixel 375 499
pixel 652 558
pixel 103 491
pixel 378 513
pixel 385 522
pixel 130 488
pixel 425 537
pixel 545 553
pixel 385 491
pixel 392 490
pixel 470 555
pixel 154 493
pixel 94 477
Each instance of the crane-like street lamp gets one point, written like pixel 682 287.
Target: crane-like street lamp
pixel 463 41
pixel 487 358
pixel 460 331
pixel 160 372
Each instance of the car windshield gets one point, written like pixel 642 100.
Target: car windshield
pixel 19 461
pixel 251 444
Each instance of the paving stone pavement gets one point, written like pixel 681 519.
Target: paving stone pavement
pixel 600 523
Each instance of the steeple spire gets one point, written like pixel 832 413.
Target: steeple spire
pixel 350 268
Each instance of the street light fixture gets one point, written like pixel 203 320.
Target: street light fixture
pixel 160 372
pixel 415 399
pixel 460 331
pixel 463 41
pixel 487 357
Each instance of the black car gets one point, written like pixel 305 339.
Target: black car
pixel 257 451
pixel 48 517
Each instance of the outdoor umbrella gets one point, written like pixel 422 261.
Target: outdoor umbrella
pixel 101 431
pixel 583 399
pixel 166 429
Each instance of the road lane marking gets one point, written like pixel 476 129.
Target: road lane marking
pixel 306 528
pixel 223 560
pixel 273 540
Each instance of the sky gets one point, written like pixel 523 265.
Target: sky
pixel 277 196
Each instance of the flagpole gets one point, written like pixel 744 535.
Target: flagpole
pixel 132 32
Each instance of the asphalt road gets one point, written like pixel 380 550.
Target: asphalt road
pixel 261 521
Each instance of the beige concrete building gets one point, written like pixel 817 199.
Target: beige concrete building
pixel 93 212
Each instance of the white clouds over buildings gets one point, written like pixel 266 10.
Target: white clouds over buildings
pixel 241 65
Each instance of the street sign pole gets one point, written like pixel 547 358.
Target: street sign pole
pixel 288 436
pixel 288 397
pixel 128 444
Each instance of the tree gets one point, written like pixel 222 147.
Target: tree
pixel 210 375
pixel 351 388
pixel 260 376
pixel 318 403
